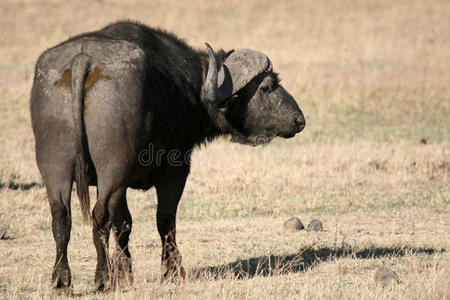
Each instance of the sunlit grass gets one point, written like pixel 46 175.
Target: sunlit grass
pixel 372 78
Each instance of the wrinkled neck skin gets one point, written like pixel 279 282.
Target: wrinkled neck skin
pixel 217 124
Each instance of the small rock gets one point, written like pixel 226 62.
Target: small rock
pixel 293 224
pixel 2 232
pixel 315 225
pixel 423 141
pixel 385 276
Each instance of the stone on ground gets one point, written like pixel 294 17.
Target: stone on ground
pixel 293 224
pixel 385 276
pixel 315 225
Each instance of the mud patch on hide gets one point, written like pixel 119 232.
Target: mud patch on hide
pixel 66 80
pixel 93 76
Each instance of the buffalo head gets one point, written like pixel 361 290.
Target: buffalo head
pixel 247 100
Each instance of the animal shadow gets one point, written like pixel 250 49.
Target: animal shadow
pixel 11 185
pixel 298 262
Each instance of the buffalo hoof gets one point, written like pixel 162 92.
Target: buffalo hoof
pixel 114 284
pixel 122 273
pixel 62 282
pixel 173 274
pixel 120 277
pixel 102 281
pixel 64 291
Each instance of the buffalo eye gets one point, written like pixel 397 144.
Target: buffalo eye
pixel 265 88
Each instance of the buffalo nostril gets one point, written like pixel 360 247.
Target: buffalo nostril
pixel 300 121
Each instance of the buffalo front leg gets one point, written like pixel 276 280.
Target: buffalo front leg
pixel 169 188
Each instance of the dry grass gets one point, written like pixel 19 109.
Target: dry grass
pixel 373 80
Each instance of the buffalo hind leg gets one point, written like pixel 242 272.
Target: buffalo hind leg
pixel 100 233
pixel 122 223
pixel 169 188
pixel 59 188
pixel 111 211
pixel 101 243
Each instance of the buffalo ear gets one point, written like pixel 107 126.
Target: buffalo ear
pixel 239 68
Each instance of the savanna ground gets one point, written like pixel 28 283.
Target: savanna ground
pixel 373 163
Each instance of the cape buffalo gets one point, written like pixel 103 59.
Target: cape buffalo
pixel 101 98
